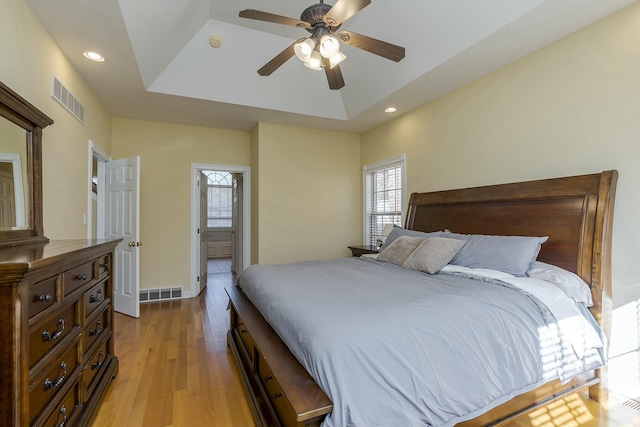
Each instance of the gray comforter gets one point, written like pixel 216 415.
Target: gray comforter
pixel 394 347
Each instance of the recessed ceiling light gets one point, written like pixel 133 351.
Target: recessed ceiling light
pixel 390 110
pixel 93 56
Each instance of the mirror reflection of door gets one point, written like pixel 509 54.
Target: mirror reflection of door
pixel 13 177
pixel 12 197
pixel 7 197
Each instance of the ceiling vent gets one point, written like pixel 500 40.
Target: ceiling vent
pixel 61 94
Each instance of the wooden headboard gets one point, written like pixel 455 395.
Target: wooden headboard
pixel 575 212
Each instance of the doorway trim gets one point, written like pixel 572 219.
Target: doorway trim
pixel 195 218
pixel 102 157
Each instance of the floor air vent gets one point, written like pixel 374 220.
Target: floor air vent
pixel 61 94
pixel 632 404
pixel 150 295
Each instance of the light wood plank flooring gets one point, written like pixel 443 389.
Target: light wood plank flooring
pixel 176 370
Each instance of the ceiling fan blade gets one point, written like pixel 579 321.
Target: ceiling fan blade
pixel 270 17
pixel 279 59
pixel 334 75
pixel 343 10
pixel 377 47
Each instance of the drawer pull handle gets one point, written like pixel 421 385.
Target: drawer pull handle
pixel 103 265
pixel 63 412
pixel 95 332
pixel 50 385
pixel 277 395
pixel 97 298
pixel 81 277
pixel 244 331
pixel 46 335
pixel 45 298
pixel 268 378
pixel 96 365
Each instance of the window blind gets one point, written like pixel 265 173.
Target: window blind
pixel 383 199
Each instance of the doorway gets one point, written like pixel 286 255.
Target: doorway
pixel 225 231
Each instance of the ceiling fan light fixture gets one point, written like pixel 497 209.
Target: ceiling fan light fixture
pixel 329 46
pixel 315 61
pixel 337 59
pixel 304 49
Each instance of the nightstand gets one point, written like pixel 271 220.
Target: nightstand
pixel 361 250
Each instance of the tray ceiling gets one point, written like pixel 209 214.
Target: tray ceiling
pixel 160 66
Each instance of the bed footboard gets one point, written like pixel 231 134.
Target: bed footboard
pixel 279 390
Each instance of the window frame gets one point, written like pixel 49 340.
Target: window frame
pixel 209 187
pixel 367 170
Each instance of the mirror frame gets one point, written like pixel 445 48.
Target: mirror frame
pixel 17 110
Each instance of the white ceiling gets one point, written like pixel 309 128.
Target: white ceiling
pixel 160 66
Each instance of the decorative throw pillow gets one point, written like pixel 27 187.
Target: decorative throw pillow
pixel 433 254
pixel 399 231
pixel 511 254
pixel 400 249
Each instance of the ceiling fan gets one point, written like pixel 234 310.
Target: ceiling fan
pixel 322 49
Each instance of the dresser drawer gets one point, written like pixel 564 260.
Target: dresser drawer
pixel 93 368
pixel 77 277
pixel 94 297
pixel 65 412
pixel 104 266
pixel 96 328
pixel 52 381
pixel 45 337
pixel 43 295
pixel 275 395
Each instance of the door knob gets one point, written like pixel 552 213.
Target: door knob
pixel 138 243
pixel 132 244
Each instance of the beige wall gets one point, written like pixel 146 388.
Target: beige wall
pixel 255 197
pixel 166 153
pixel 570 108
pixel 310 193
pixel 29 56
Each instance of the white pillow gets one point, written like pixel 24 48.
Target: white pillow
pixel 569 282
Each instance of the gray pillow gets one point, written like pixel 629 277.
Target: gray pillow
pixel 511 254
pixel 400 249
pixel 399 231
pixel 433 254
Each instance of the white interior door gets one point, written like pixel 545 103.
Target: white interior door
pixel 236 223
pixel 202 230
pixel 122 220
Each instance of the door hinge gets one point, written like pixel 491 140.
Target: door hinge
pixel 198 279
pixel 198 230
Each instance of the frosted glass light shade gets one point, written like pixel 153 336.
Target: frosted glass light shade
pixel 329 46
pixel 304 49
pixel 337 59
pixel 315 61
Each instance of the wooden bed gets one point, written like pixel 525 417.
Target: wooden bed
pixel 575 212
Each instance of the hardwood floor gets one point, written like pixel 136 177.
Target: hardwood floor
pixel 176 370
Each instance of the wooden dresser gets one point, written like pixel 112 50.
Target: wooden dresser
pixel 56 341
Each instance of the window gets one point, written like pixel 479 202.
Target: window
pixel 384 197
pixel 219 199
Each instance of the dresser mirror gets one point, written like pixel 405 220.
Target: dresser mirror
pixel 21 127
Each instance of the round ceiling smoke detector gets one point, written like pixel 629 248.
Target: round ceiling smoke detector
pixel 215 41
